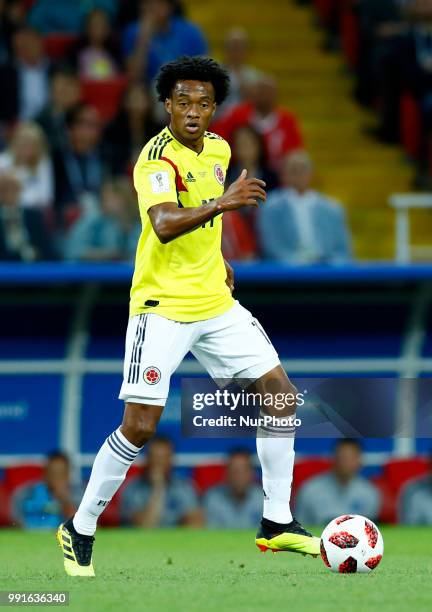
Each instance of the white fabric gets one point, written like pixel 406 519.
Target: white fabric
pixel 276 455
pixel 34 90
pixel 108 472
pixel 303 205
pixel 231 345
pixel 37 188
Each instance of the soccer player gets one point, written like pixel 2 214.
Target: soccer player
pixel 181 300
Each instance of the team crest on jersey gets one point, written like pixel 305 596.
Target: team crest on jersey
pixel 152 375
pixel 219 174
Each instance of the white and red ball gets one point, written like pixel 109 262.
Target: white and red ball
pixel 351 543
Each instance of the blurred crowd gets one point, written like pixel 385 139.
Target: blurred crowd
pixel 230 497
pixel 388 44
pixel 80 105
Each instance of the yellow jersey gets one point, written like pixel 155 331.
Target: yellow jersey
pixel 184 279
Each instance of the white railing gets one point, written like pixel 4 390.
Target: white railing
pixel 403 203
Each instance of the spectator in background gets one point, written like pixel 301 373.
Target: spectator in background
pixel 27 156
pixel 64 95
pixel 414 64
pixel 278 126
pixel 78 164
pixel 158 498
pixel 128 132
pixel 111 233
pixel 340 491
pixel 298 225
pixel 242 76
pixel 416 501
pixel 25 78
pixel 239 231
pixel 237 504
pixel 159 37
pixel 12 17
pixel 66 16
pixel 24 234
pixel 45 504
pixel 97 54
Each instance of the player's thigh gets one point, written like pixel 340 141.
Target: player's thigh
pixel 234 345
pixel 155 346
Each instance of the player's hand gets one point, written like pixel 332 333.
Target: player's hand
pixel 230 276
pixel 243 192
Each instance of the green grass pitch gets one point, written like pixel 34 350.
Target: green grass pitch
pixel 205 571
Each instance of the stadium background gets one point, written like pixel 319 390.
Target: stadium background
pixel 62 324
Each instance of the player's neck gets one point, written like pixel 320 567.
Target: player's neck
pixel 196 146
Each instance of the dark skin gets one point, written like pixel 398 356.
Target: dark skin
pixel 191 108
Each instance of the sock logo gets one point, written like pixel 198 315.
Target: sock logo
pixel 265 495
pixel 103 502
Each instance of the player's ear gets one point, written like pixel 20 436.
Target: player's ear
pixel 214 109
pixel 168 105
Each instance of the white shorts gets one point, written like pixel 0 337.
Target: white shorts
pixel 232 345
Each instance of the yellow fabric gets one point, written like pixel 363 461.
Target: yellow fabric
pixel 187 275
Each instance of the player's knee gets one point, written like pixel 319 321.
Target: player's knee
pixel 139 423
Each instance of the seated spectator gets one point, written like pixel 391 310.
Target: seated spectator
pixel 78 164
pixel 67 16
pixel 416 501
pixel 129 131
pixel 278 126
pixel 159 37
pixel 238 239
pixel 248 152
pixel 111 233
pixel 27 156
pixel 242 76
pixel 237 504
pixel 24 77
pixel 24 234
pixel 64 95
pixel 298 225
pixel 340 491
pixel 158 498
pixel 97 54
pixel 44 505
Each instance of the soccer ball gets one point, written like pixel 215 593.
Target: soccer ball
pixel 351 543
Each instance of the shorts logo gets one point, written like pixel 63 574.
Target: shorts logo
pixel 219 174
pixel 151 375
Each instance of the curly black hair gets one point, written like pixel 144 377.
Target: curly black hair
pixel 197 68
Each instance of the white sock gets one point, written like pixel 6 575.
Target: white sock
pixel 276 455
pixel 109 470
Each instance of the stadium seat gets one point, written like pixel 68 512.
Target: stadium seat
pixel 5 519
pixel 398 472
pixel 57 45
pixel 388 510
pixel 324 9
pixel 349 28
pixel 206 476
pixel 104 95
pixel 19 475
pixel 308 468
pixel 410 125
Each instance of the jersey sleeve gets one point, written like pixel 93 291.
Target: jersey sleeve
pixel 155 183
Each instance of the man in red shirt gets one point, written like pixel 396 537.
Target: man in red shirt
pixel 278 126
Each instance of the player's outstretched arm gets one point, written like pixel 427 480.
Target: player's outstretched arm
pixel 169 221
